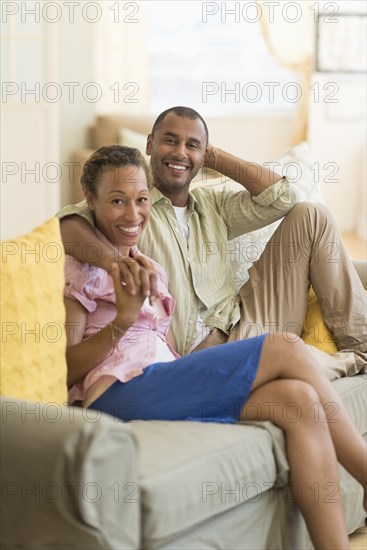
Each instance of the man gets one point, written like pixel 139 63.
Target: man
pixel 183 224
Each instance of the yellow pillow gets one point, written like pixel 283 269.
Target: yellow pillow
pixel 33 341
pixel 314 331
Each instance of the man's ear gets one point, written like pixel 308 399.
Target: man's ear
pixel 148 149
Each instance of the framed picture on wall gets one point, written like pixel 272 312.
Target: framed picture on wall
pixel 341 43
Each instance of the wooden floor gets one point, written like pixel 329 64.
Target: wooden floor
pixel 356 246
pixel 358 540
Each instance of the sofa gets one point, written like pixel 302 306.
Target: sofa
pixel 77 478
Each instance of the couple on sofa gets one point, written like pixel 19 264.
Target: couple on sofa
pixel 123 357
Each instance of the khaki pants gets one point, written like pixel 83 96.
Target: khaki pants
pixel 306 249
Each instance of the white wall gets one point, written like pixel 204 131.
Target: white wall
pixel 337 137
pixel 37 131
pixel 75 65
pixel 255 139
pixel 30 183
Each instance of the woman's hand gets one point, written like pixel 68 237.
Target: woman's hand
pixel 128 305
pixel 84 355
pixel 138 275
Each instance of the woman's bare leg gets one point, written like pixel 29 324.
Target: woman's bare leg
pixel 311 455
pixel 283 358
pixel 289 374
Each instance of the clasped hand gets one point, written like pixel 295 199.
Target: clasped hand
pixel 135 279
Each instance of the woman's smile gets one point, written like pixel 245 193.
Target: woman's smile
pixel 121 207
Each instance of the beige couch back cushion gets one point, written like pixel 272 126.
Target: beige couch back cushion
pixel 107 127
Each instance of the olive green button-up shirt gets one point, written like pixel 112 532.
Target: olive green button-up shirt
pixel 201 268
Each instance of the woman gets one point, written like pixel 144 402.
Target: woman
pixel 120 359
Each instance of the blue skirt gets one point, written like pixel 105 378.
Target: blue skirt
pixel 211 385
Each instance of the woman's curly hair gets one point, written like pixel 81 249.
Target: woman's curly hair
pixel 107 158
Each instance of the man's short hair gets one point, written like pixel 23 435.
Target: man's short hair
pixel 186 112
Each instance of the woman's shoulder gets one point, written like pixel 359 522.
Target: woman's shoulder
pixel 86 278
pixel 74 266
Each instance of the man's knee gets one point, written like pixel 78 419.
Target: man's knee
pixel 285 347
pixel 308 222
pixel 310 210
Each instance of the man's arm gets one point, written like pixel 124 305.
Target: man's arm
pixel 81 241
pixel 254 177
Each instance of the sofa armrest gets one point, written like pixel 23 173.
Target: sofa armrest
pixel 361 268
pixel 69 478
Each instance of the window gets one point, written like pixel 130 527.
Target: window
pixel 169 53
pixel 342 47
pixel 216 63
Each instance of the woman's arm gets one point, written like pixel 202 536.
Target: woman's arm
pixel 84 355
pixel 254 177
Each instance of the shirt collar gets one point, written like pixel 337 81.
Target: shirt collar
pixel 156 196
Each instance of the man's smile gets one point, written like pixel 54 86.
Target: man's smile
pixel 177 168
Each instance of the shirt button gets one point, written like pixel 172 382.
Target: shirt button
pixel 188 259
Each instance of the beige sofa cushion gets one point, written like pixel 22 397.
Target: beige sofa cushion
pixel 190 472
pixel 108 126
pixel 187 467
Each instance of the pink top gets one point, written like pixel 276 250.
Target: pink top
pixel 93 288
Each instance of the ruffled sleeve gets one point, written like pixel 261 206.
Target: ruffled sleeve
pixel 85 283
